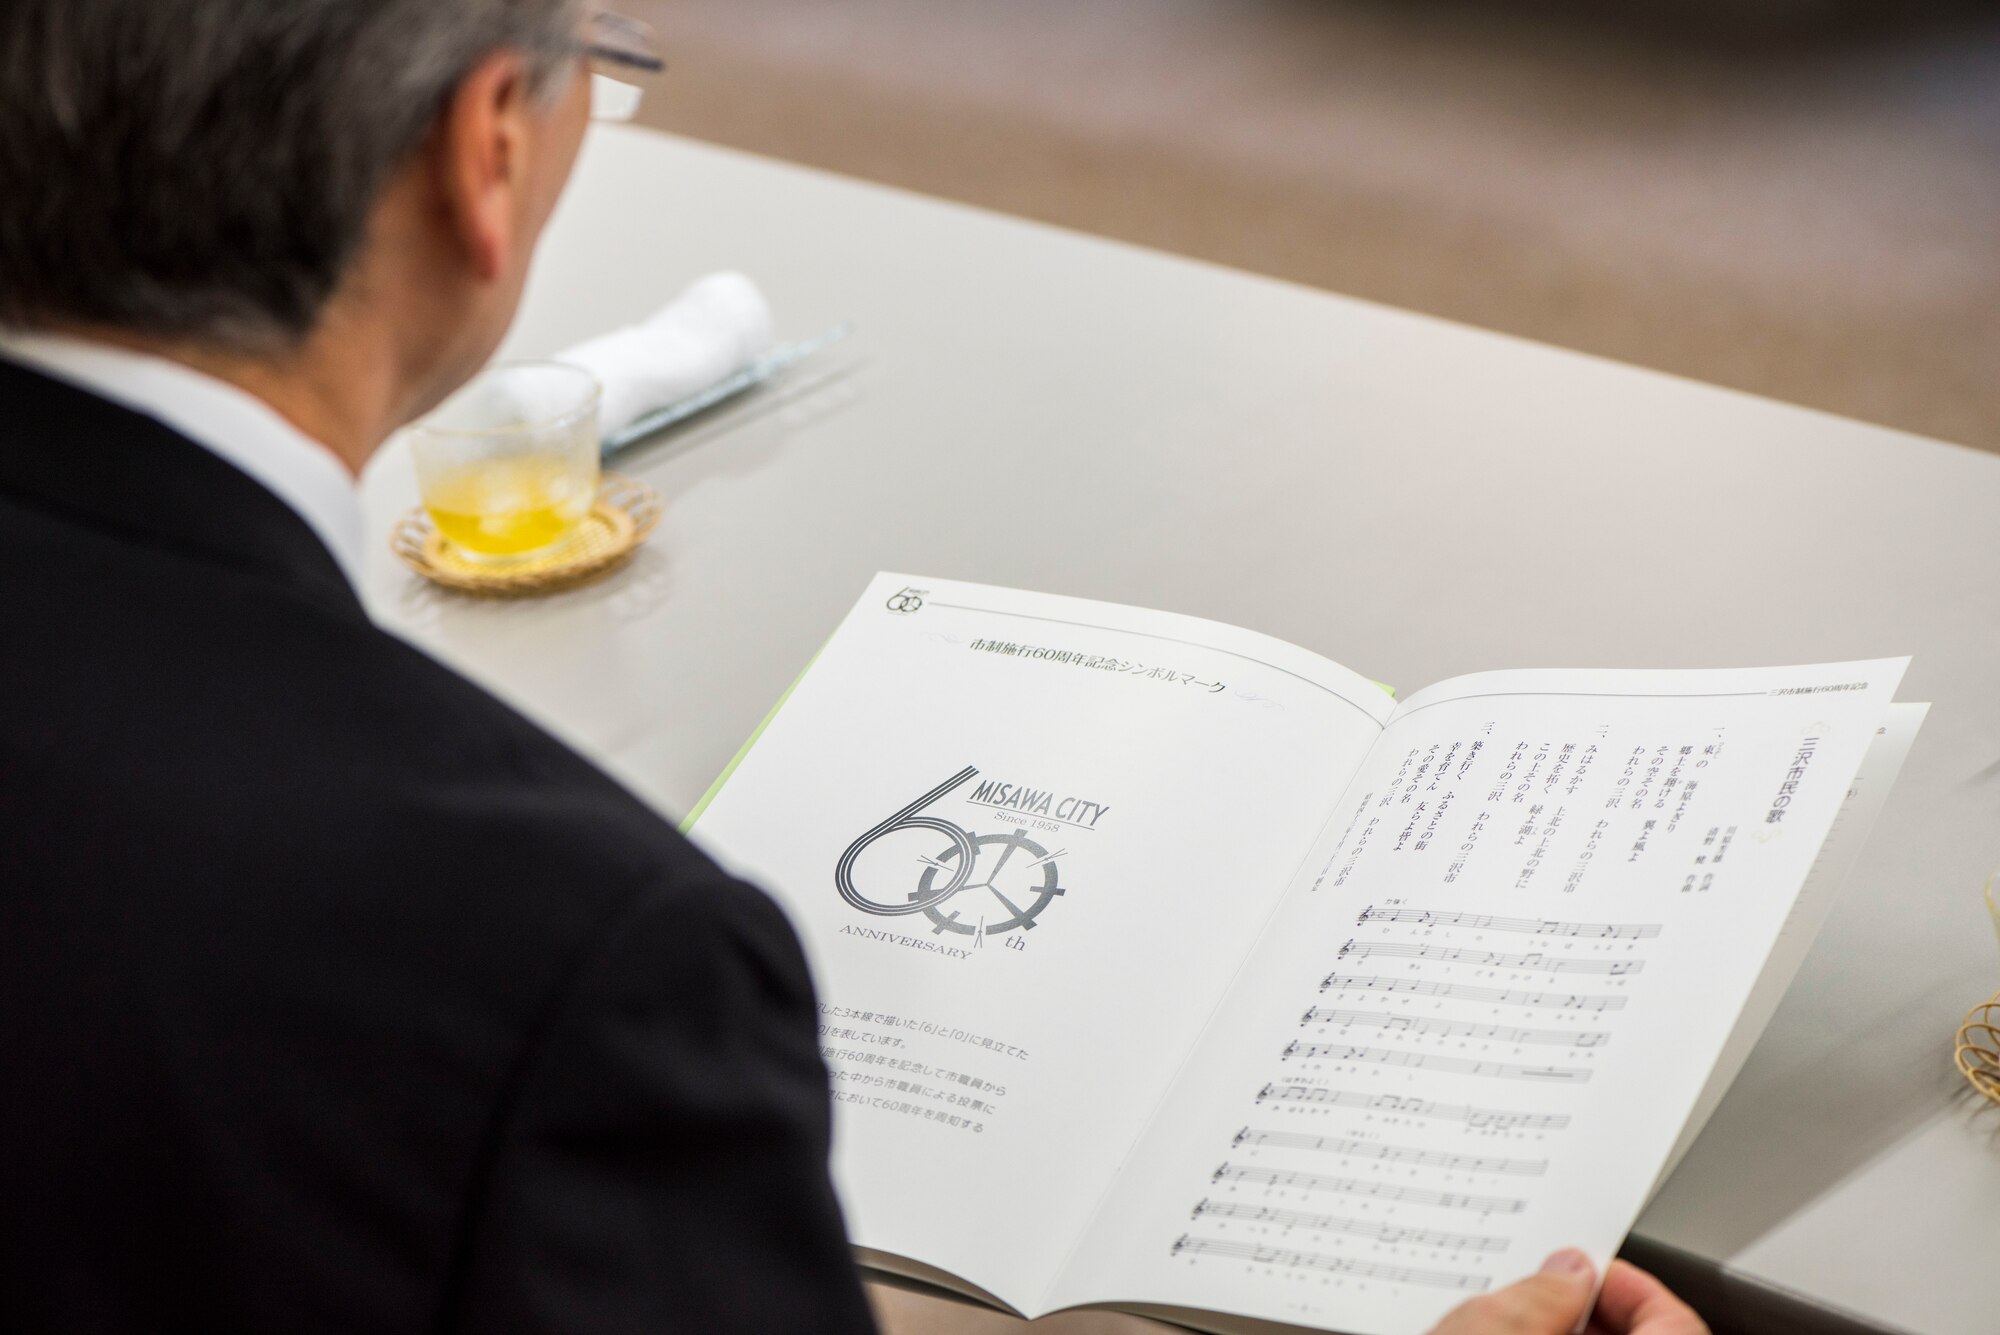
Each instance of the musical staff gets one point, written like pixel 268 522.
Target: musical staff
pixel 1360 1228
pixel 1498 1119
pixel 1372 1190
pixel 1505 996
pixel 1499 1033
pixel 1628 931
pixel 1431 1061
pixel 1337 1265
pixel 1367 1149
pixel 1453 955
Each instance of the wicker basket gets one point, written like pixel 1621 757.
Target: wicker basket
pixel 1978 1048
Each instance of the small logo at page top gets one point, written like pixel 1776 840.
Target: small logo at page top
pixel 909 600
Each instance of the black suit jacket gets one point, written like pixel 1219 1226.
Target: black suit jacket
pixel 334 995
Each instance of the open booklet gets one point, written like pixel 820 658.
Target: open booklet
pixel 1168 967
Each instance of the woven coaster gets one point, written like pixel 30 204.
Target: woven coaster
pixel 626 513
pixel 1978 1047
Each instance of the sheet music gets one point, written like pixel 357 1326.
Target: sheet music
pixel 1505 996
pixel 1363 1228
pixel 1164 964
pixel 1535 926
pixel 1392 1154
pixel 1292 1258
pixel 1472 1031
pixel 1403 1105
pixel 1503 1033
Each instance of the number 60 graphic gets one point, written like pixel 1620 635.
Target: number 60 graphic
pixel 908 819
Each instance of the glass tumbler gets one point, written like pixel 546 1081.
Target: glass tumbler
pixel 508 466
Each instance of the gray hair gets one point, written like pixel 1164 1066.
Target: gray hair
pixel 205 169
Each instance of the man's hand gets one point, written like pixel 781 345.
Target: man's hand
pixel 1553 1301
pixel 1634 1303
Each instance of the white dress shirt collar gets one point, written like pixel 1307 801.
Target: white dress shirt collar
pixel 237 427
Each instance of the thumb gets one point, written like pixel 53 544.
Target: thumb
pixel 1552 1301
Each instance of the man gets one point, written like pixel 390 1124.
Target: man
pixel 334 996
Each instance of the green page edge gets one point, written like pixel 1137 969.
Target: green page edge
pixel 744 750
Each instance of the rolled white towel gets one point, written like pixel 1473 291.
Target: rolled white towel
pixel 711 331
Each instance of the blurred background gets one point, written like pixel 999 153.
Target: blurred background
pixel 1798 198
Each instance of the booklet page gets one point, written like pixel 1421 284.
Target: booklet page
pixel 1026 840
pixel 1479 1020
pixel 1844 842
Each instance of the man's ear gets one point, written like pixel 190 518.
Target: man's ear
pixel 482 142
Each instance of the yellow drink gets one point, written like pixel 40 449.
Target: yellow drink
pixel 510 507
pixel 508 466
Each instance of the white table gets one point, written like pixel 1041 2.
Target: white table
pixel 1028 407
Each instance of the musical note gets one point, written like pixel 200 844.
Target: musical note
pixel 1630 931
pixel 1411 1024
pixel 1589 1001
pixel 1337 1265
pixel 1434 1062
pixel 1366 1149
pixel 1360 1228
pixel 1498 1119
pixel 1358 1186
pixel 1539 962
